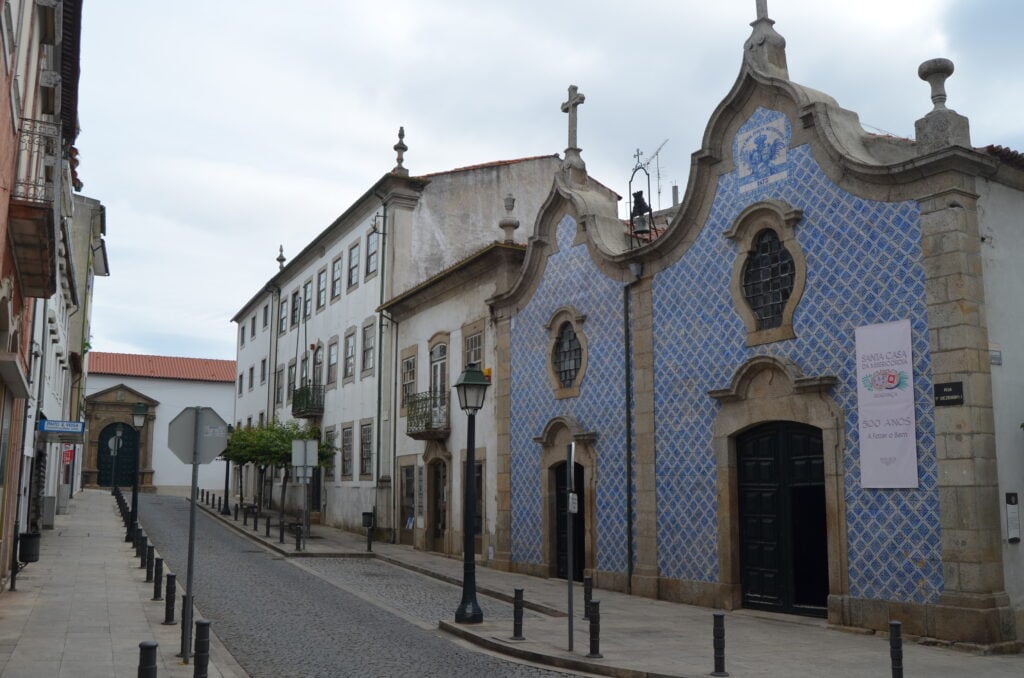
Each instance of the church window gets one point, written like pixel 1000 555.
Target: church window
pixel 769 271
pixel 768 279
pixel 567 352
pixel 567 355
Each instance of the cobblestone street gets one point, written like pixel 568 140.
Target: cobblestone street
pixel 279 619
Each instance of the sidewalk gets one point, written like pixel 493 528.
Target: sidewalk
pixel 643 638
pixel 83 609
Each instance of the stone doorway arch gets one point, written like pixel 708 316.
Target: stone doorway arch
pixel 555 438
pixel 769 389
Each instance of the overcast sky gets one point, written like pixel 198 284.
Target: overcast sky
pixel 214 131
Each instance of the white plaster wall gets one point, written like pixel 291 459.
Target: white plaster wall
pixel 170 475
pixel 459 212
pixel 450 314
pixel 253 400
pixel 345 403
pixel 1002 230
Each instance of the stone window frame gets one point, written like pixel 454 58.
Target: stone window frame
pixel 371 255
pixel 263 371
pixel 337 284
pixel 368 324
pixel 352 264
pixel 349 427
pixel 322 289
pixel 282 325
pixel 408 353
pixel 266 315
pixel 469 330
pixel 348 374
pixel 295 308
pixel 365 469
pixel 279 385
pixel 332 344
pixel 438 339
pixel 307 299
pixel 566 314
pixel 781 218
pixel 289 389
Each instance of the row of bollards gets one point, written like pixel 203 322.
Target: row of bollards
pixel 154 567
pixel 592 613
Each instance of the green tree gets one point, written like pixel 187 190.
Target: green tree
pixel 270 445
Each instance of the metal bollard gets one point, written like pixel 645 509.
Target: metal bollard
pixel 280 531
pixel 218 504
pixel 719 645
pixel 202 652
pixel 594 615
pixel 149 563
pixel 143 550
pixel 517 615
pixel 147 659
pixel 245 519
pixel 588 595
pixel 298 538
pixel 267 533
pixel 236 512
pixel 896 648
pixel 255 523
pixel 169 601
pixel 158 578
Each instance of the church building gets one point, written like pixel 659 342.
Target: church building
pixel 801 397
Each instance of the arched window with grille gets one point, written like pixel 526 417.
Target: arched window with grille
pixel 567 352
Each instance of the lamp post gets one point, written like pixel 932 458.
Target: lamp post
pixel 139 411
pixel 115 446
pixel 224 510
pixel 472 387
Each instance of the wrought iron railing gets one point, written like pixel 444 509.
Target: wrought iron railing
pixel 427 415
pixel 308 401
pixel 38 148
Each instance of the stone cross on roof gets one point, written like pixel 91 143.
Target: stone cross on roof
pixel 762 9
pixel 575 99
pixel 573 161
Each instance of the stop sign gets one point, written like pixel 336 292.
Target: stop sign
pixel 199 429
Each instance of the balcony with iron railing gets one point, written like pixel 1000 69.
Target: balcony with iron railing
pixel 308 401
pixel 427 416
pixel 32 212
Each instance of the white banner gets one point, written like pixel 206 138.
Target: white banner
pixel 885 406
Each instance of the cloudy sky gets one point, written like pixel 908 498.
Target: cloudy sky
pixel 214 131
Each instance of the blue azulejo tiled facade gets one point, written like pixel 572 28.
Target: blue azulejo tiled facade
pixel 570 278
pixel 864 266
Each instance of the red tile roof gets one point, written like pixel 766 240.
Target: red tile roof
pixel 161 367
pixel 1007 155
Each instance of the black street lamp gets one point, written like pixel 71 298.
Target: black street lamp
pixel 139 411
pixel 224 510
pixel 472 387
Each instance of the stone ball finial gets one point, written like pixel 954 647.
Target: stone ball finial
pixel 935 72
pixel 510 203
pixel 280 257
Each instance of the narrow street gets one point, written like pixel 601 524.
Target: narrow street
pixel 280 619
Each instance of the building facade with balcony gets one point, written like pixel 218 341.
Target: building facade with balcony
pixel 39 41
pixel 443 325
pixel 333 354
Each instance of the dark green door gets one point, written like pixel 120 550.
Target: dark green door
pixel 783 540
pixel 123 439
pixel 564 521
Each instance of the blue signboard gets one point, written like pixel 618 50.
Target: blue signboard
pixel 57 426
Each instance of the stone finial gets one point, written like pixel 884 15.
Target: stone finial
pixel 765 50
pixel 942 127
pixel 400 149
pixel 573 163
pixel 935 72
pixel 280 257
pixel 509 224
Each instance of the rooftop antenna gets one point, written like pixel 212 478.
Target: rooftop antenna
pixel 654 157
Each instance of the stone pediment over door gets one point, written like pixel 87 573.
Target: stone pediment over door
pixel 120 395
pixel 114 406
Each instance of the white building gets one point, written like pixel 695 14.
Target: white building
pixel 329 354
pixel 164 386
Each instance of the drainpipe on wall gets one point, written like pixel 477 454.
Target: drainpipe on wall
pixel 382 253
pixel 636 268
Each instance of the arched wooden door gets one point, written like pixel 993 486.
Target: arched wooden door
pixel 124 440
pixel 783 536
